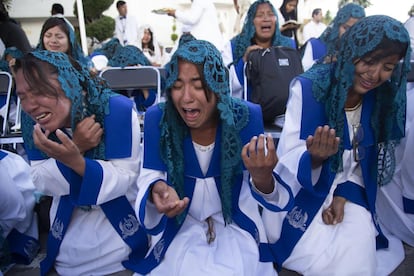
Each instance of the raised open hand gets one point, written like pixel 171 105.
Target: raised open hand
pixel 322 145
pixel 166 200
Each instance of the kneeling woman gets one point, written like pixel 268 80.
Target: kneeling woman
pixel 195 196
pixel 83 143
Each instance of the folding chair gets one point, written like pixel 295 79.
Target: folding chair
pixel 133 77
pixel 6 83
pixel 9 135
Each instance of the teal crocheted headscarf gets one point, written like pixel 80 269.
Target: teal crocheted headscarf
pixel 128 56
pixel 109 48
pixel 246 36
pixel 369 34
pixel 331 35
pixel 10 51
pixel 233 117
pixel 88 95
pixel 74 50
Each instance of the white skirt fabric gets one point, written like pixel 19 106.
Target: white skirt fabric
pixel 233 252
pixel 342 249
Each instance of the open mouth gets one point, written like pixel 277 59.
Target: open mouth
pixel 266 28
pixel 191 113
pixel 42 117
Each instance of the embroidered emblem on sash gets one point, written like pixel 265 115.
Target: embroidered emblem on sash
pixel 158 248
pixel 129 226
pixel 31 248
pixel 297 218
pixel 57 229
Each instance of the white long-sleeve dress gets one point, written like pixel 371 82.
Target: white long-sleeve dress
pixel 91 244
pixel 235 250
pixel 310 246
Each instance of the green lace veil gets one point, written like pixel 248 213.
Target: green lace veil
pixel 128 56
pixel 109 48
pixel 233 117
pixel 331 35
pixel 388 120
pixel 89 95
pixel 244 39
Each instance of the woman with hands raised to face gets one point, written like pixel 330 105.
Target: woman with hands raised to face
pixel 337 145
pixel 206 169
pixel 83 144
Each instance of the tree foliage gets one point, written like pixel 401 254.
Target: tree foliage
pixel 96 24
pixel 101 28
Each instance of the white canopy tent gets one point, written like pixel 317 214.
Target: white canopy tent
pixel 82 29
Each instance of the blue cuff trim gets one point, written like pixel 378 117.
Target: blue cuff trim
pixel 408 205
pixel 74 180
pixel 353 193
pixel 91 184
pixel 141 213
pixel 305 171
pixel 272 207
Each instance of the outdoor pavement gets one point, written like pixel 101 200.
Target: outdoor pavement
pixel 406 268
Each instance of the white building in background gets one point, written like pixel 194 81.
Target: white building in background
pixel 32 13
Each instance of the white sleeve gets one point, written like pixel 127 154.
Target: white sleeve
pixel 290 147
pixel 307 59
pixel 17 198
pixel 235 86
pixel 118 174
pixel 191 16
pixel 118 29
pixel 150 217
pixel 407 147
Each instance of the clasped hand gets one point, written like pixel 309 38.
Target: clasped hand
pixel 261 162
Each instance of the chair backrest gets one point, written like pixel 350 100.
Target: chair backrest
pixel 133 77
pixel 6 83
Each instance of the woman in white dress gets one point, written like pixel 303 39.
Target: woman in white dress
pixel 342 120
pixel 149 45
pixel 83 143
pixel 205 173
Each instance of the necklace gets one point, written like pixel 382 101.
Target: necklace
pixel 204 148
pixel 347 109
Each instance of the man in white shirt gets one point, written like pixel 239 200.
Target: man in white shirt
pixel 126 26
pixel 58 11
pixel 202 21
pixel 315 27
